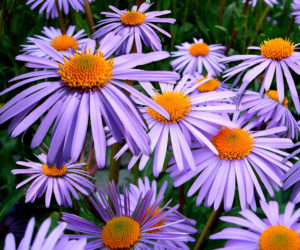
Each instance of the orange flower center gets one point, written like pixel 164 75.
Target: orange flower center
pixel 279 238
pixel 160 223
pixel 233 144
pixel 273 94
pixel 277 48
pixel 64 42
pixel 199 49
pixel 209 85
pixel 54 171
pixel 133 18
pixel 121 233
pixel 86 71
pixel 177 104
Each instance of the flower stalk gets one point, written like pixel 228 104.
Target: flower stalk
pixel 235 31
pixel 60 18
pixel 114 167
pixel 209 224
pixel 259 24
pixel 89 15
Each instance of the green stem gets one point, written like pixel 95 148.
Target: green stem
pixel 89 15
pixel 221 11
pixel 3 8
pixel 135 171
pixel 290 27
pixel 209 224
pixel 60 18
pixel 260 22
pixel 285 12
pixel 114 166
pixel 139 2
pixel 186 8
pixel 174 27
pixel 246 32
pixel 181 198
pixel 235 31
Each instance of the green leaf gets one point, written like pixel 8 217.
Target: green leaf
pixel 10 201
pixel 202 27
pixel 240 22
pixel 221 28
pixel 167 4
pixel 82 24
pixel 55 216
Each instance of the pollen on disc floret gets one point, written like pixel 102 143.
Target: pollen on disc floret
pixel 86 71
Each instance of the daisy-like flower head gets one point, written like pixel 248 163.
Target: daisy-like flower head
pixel 199 57
pixel 59 181
pixel 50 9
pixel 139 26
pixel 274 232
pixel 246 160
pixel 296 12
pixel 54 241
pixel 190 117
pixel 268 2
pixel 63 43
pixel 81 88
pixel 186 226
pixel 208 84
pixel 144 226
pixel 268 110
pixel 292 177
pixel 277 57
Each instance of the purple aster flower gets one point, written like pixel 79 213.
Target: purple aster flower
pixel 277 58
pixel 186 226
pixel 247 160
pixel 209 84
pixel 274 232
pixel 49 6
pixel 138 25
pixel 199 57
pixel 60 42
pixel 54 241
pixel 190 118
pixel 144 226
pixel 296 12
pixel 85 88
pixel 59 181
pixel 292 177
pixel 268 2
pixel 269 111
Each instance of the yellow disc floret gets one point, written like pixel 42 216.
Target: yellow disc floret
pixel 279 238
pixel 199 49
pixel 178 105
pixel 54 171
pixel 121 233
pixel 64 42
pixel 273 94
pixel 277 48
pixel 233 144
pixel 133 18
pixel 86 71
pixel 209 85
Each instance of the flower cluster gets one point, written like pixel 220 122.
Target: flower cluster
pixel 90 95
